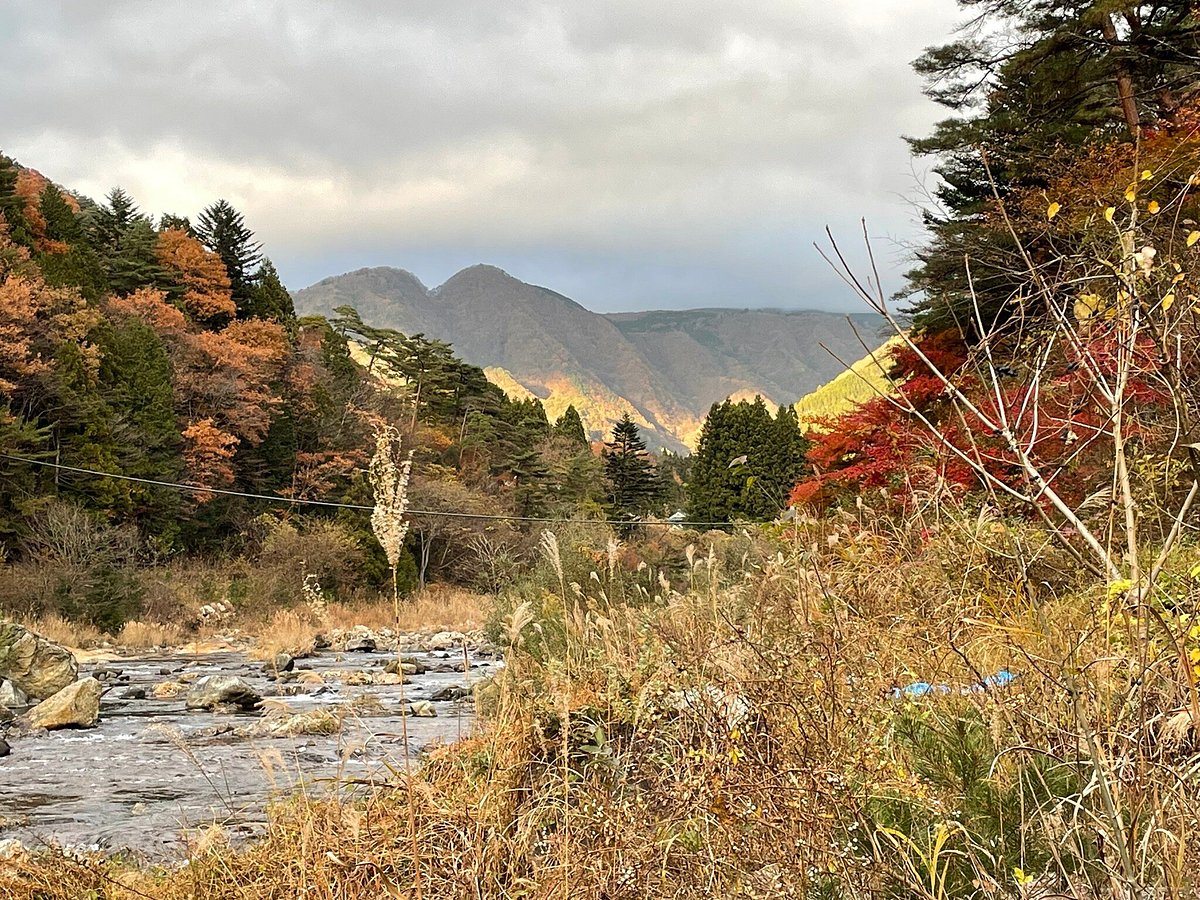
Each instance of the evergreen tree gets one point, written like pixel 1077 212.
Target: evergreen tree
pixel 134 262
pixel 570 426
pixel 77 265
pixel 746 464
pixel 61 221
pixel 628 472
pixel 223 230
pixel 114 217
pixel 271 298
pixel 170 222
pixel 12 205
pixel 1032 80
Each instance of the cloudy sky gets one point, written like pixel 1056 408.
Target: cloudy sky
pixel 628 153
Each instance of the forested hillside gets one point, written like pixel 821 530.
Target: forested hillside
pixel 664 368
pixel 162 350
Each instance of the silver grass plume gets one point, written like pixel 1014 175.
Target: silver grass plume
pixel 389 471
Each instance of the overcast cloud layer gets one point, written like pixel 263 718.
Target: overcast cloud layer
pixel 628 153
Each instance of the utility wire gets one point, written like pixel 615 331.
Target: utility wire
pixel 275 498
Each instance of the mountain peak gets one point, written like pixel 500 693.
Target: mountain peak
pixel 665 367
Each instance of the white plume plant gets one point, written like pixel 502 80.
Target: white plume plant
pixel 389 472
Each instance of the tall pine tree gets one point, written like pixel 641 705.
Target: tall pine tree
pixel 223 230
pixel 629 473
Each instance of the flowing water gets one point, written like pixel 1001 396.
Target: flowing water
pixel 153 771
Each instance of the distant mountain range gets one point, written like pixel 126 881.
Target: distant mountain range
pixel 665 368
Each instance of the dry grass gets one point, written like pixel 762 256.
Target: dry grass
pixel 438 608
pixel 732 737
pixel 75 635
pixel 135 635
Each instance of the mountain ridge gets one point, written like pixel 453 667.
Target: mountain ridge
pixel 665 367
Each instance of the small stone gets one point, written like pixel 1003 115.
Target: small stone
pixel 167 690
pixel 320 641
pixel 422 709
pixel 283 662
pixel 450 692
pixel 75 706
pixel 4 748
pixel 12 697
pixel 106 674
pixel 134 693
pixel 165 670
pixel 6 715
pixel 11 848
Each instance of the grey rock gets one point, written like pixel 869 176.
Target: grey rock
pixel 447 640
pixel 406 665
pixel 450 692
pixel 6 715
pixel 37 666
pixel 283 662
pixel 360 643
pixel 4 748
pixel 11 696
pixel 134 693
pixel 214 691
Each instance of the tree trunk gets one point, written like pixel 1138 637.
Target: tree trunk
pixel 1124 80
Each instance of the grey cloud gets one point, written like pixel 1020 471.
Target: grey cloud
pixel 701 137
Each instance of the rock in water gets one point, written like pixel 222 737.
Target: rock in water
pixel 283 662
pixel 37 666
pixel 447 640
pixel 11 696
pixel 75 706
pixel 404 666
pixel 422 709
pixel 222 690
pixel 360 643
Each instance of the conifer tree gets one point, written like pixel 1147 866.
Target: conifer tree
pixel 1030 80
pixel 113 219
pixel 12 206
pixel 746 463
pixel 134 262
pixel 171 222
pixel 629 473
pixel 570 426
pixel 271 298
pixel 223 230
pixel 75 264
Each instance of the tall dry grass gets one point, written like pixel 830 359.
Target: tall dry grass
pixel 724 726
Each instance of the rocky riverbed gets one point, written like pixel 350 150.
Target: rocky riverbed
pixel 153 770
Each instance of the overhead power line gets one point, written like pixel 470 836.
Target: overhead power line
pixel 275 498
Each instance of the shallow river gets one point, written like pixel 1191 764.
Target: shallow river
pixel 152 771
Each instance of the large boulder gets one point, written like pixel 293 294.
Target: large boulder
pixel 37 666
pixel 75 706
pixel 212 691
pixel 446 640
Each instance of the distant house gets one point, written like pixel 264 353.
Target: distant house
pixel 677 518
